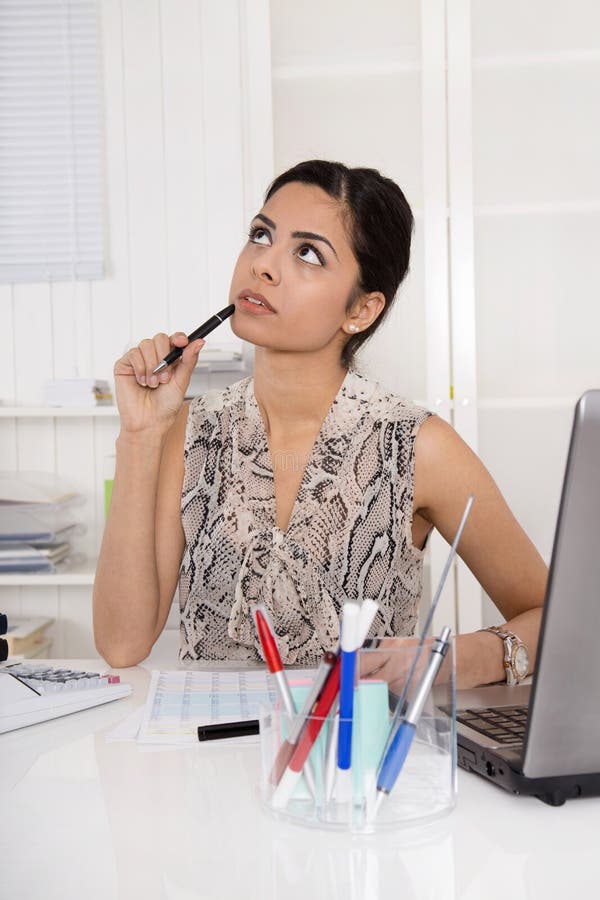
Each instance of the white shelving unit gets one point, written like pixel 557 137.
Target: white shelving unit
pixel 81 575
pixel 46 412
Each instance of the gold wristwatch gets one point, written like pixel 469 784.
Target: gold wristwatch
pixel 516 654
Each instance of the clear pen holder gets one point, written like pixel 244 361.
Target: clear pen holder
pixel 320 794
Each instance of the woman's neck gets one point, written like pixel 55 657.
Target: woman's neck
pixel 294 391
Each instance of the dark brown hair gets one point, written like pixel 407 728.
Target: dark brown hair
pixel 379 223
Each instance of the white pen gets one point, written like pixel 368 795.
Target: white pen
pixel 367 613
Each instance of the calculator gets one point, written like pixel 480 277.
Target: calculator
pixel 32 693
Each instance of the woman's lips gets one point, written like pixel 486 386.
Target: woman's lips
pixel 256 303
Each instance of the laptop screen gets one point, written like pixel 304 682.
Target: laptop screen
pixel 564 716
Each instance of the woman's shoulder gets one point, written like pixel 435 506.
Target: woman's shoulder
pixel 381 405
pixel 210 412
pixel 213 403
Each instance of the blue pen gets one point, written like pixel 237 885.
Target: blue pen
pixel 403 738
pixel 368 610
pixel 349 644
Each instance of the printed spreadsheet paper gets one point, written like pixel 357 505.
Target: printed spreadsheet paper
pixel 179 701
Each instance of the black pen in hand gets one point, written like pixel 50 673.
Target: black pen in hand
pixel 200 332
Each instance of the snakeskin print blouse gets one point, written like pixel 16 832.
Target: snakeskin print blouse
pixel 349 536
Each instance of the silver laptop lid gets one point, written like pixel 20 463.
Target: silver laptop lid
pixel 564 720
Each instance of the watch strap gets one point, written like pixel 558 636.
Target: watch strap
pixel 511 641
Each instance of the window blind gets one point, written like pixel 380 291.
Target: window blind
pixel 51 216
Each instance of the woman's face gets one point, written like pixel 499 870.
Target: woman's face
pixel 299 262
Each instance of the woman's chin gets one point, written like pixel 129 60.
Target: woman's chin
pixel 244 330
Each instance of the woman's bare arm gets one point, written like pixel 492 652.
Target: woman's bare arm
pixel 493 545
pixel 142 547
pixel 143 539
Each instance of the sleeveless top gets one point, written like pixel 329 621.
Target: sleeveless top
pixel 349 536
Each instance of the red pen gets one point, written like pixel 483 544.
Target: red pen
pixel 296 728
pixel 299 759
pixel 315 722
pixel 273 660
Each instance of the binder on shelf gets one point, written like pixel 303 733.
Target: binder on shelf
pixel 22 557
pixel 35 488
pixel 38 526
pixel 28 636
pixel 38 651
pixel 37 522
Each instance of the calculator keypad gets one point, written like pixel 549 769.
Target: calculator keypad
pixel 48 680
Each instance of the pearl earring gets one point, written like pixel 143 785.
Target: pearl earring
pixel 353 327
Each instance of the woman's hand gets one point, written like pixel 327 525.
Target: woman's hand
pixel 150 402
pixel 390 661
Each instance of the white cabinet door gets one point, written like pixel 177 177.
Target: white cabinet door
pixel 536 194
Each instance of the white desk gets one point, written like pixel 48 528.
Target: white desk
pixel 85 819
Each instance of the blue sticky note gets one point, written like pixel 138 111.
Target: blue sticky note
pixel 371 724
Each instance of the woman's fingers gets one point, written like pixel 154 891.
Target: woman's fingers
pixel 164 346
pixel 391 661
pixel 143 359
pixel 150 361
pixel 132 363
pixel 185 366
pixel 179 339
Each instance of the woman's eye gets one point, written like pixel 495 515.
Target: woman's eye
pixel 259 236
pixel 308 253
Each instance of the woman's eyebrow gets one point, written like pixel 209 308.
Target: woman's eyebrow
pixel 314 237
pixel 298 234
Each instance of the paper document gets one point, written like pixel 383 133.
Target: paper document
pixel 179 701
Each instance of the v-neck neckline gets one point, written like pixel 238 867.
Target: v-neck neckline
pixel 279 533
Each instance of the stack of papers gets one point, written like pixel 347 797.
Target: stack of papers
pixel 38 520
pixel 21 557
pixel 25 636
pixel 75 392
pixel 181 700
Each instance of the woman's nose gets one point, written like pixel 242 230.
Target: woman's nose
pixel 266 266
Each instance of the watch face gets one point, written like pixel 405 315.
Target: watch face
pixel 521 661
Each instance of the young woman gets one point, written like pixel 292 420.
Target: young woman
pixel 307 484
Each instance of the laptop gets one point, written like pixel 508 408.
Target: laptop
pixel 544 739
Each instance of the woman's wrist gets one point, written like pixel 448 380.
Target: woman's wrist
pixel 479 659
pixel 147 441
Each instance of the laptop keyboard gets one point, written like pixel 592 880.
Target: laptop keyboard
pixel 504 724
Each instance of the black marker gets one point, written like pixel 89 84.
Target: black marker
pixel 227 730
pixel 201 332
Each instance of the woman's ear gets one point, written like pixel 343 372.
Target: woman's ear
pixel 370 308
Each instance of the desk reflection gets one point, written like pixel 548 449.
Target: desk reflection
pixel 189 824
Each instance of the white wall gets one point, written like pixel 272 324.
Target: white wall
pixel 185 133
pixel 347 86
